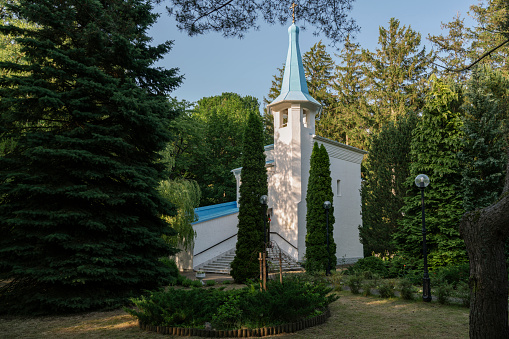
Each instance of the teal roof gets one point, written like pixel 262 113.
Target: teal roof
pixel 215 211
pixel 294 87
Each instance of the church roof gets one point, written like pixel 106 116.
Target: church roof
pixel 215 211
pixel 294 86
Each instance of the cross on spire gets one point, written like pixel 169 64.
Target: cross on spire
pixel 293 9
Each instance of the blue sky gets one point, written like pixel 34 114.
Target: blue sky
pixel 212 64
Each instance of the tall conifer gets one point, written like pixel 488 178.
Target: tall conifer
pixel 250 239
pixel 80 214
pixel 319 190
pixel 435 143
pixel 386 170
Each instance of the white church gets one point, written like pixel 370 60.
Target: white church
pixel 288 163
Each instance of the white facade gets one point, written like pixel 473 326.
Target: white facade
pixel 288 162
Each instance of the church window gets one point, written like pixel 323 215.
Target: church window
pixel 305 117
pixel 283 118
pixel 338 188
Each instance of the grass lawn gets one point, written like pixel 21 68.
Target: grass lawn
pixel 353 316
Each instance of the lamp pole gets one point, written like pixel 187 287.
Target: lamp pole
pixel 263 201
pixel 422 181
pixel 327 205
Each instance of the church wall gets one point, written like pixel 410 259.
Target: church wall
pixel 212 232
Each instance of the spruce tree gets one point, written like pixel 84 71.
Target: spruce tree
pixel 386 170
pixel 348 120
pixel 484 155
pixel 80 213
pixel 436 140
pixel 250 239
pixel 396 73
pixel 319 190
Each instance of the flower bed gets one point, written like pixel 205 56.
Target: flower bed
pixel 293 302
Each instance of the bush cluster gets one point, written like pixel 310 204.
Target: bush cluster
pixel 249 307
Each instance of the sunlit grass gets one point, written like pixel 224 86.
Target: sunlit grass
pixel 353 316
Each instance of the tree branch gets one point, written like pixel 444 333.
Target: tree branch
pixel 212 11
pixel 475 62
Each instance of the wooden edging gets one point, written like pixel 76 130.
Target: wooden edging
pixel 242 333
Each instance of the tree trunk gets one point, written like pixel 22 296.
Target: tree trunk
pixel 485 232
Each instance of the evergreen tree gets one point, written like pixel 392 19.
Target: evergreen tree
pixel 347 120
pixel 435 143
pixel 80 213
pixel 319 71
pixel 396 73
pixel 484 155
pixel 387 168
pixel 250 240
pixel 319 190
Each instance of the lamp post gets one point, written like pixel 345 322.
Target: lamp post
pixel 422 181
pixel 327 205
pixel 263 201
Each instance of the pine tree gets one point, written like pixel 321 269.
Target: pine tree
pixel 80 213
pixel 396 73
pixel 435 143
pixel 383 190
pixel 484 155
pixel 250 240
pixel 319 190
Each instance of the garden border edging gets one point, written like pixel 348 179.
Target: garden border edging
pixel 241 333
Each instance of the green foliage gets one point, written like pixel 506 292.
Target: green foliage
pixel 319 190
pixel 406 289
pixel 250 240
pixel 247 307
pixel 174 272
pixel 435 143
pixel 484 155
pixel 81 216
pixel 396 74
pixel 212 134
pixel 354 282
pixel 374 265
pixel 453 274
pixel 443 292
pixel 463 293
pixel 386 169
pixel 386 288
pixel 209 283
pixel 185 195
pixel 347 119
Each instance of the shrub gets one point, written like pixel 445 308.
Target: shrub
pixel 196 283
pixel 454 274
pixel 247 307
pixel 336 280
pixel 386 289
pixel 210 282
pixel 367 286
pixel 406 289
pixel 463 293
pixel 186 282
pixel 443 291
pixel 370 264
pixel 354 282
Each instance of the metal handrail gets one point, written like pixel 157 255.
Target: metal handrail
pixel 222 241
pixel 289 243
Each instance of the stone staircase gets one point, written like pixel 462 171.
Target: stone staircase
pixel 221 263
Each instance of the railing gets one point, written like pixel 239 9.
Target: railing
pixel 222 241
pixel 289 243
pixel 219 243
